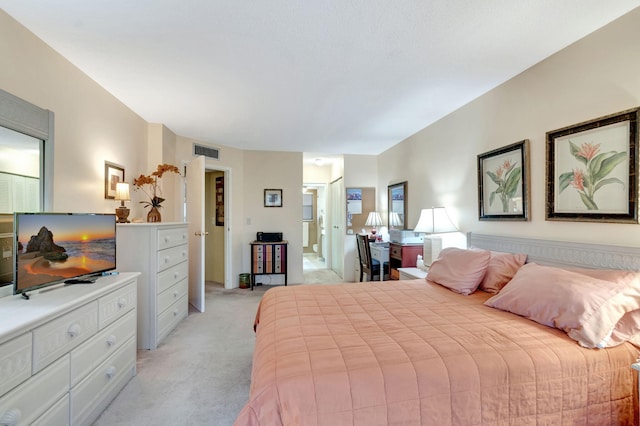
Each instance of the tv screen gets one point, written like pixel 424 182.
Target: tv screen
pixel 52 248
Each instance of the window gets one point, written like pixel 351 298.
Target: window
pixel 307 206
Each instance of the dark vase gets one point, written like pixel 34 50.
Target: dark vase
pixel 154 215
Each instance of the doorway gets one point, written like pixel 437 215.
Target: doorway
pixel 314 238
pixel 197 203
pixel 214 246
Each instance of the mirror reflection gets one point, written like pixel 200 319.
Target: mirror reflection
pixel 397 196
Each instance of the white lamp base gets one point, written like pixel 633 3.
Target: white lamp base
pixel 431 249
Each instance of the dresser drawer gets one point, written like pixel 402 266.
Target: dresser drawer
pixel 101 346
pixel 172 256
pixel 171 316
pixel 64 333
pixel 171 295
pixel 28 401
pixel 168 238
pixel 56 415
pixel 114 305
pixel 172 275
pixel 92 395
pixel 395 251
pixel 15 362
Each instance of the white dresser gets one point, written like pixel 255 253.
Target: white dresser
pixel 67 351
pixel 160 252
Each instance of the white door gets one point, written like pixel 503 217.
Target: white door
pixel 195 217
pixel 337 220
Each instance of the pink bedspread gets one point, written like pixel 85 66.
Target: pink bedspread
pixel 412 352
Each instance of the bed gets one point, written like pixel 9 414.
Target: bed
pixel 416 352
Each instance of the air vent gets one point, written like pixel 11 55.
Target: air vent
pixel 207 151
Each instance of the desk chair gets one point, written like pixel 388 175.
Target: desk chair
pixel 368 265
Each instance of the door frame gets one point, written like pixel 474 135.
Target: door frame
pixel 228 255
pixel 209 166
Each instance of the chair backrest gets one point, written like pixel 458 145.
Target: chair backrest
pixel 364 250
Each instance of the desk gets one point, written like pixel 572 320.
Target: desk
pixel 380 252
pixel 403 256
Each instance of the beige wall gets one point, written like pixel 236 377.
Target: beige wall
pixel 274 170
pixel 594 77
pixel 91 126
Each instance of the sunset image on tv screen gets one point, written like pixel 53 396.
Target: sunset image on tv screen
pixel 55 247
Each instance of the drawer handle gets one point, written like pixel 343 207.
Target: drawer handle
pixel 111 371
pixel 175 294
pixel 184 254
pixel 167 239
pixel 122 302
pixel 175 313
pixel 74 330
pixel 176 275
pixel 111 340
pixel 166 260
pixel 11 417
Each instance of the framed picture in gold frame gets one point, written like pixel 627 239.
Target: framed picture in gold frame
pixel 503 183
pixel 592 168
pixel 112 175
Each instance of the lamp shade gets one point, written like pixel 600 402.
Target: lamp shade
pixel 441 221
pixel 434 221
pixel 373 219
pixel 122 191
pixel 425 222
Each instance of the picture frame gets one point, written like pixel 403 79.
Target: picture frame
pixel 113 174
pixel 591 170
pixel 273 197
pixel 219 194
pixel 503 183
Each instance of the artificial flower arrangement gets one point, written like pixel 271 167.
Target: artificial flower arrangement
pixel 153 191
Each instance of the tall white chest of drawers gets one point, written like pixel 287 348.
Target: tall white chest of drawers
pixel 67 351
pixel 159 251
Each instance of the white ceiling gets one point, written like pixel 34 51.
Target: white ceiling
pixel 328 76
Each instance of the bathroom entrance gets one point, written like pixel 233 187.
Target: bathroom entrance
pixel 314 245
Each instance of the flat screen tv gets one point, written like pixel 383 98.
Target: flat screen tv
pixel 53 248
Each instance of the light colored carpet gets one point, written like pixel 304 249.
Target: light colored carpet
pixel 200 374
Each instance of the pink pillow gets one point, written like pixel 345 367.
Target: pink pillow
pixel 627 329
pixel 586 308
pixel 502 267
pixel 459 270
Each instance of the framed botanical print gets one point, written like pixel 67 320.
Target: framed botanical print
pixel 591 170
pixel 503 183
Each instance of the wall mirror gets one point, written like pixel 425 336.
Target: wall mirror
pixel 360 201
pixel 397 197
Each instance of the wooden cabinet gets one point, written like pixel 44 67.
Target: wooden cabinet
pixel 402 256
pixel 267 259
pixel 67 351
pixel 159 251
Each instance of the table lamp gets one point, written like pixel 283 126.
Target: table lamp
pixel 122 194
pixel 433 221
pixel 373 220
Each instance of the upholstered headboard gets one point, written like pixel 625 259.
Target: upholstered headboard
pixel 561 253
